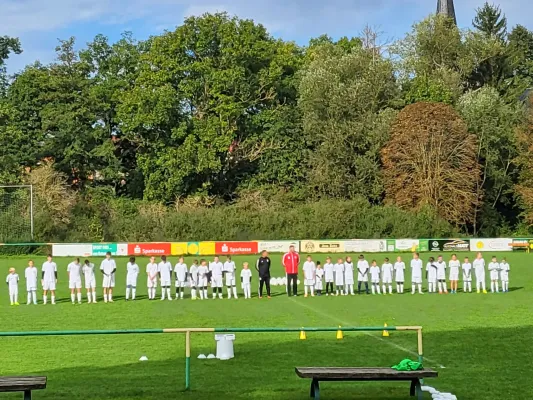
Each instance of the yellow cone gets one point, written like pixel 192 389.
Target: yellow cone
pixel 339 334
pixel 386 333
pixel 302 335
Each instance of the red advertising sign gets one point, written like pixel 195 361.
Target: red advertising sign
pixel 236 248
pixel 149 249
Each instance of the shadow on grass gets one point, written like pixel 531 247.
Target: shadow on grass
pixel 479 364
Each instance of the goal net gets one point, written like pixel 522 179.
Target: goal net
pixel 16 214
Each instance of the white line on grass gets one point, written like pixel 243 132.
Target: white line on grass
pixel 414 353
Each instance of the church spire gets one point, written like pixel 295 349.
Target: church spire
pixel 445 7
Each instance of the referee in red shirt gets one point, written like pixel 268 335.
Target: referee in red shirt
pixel 290 262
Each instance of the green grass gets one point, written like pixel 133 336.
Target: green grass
pixel 483 341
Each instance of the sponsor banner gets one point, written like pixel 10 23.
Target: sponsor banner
pixel 149 249
pixel 236 248
pixel 193 249
pixel 179 249
pixel 365 246
pixel 391 243
pixel 278 247
pixel 406 245
pixel 498 244
pixel 449 245
pixel 122 249
pixel 522 244
pixel 100 249
pixel 423 245
pixel 72 250
pixel 322 246
pixel 206 248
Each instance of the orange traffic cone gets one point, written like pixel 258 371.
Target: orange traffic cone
pixel 385 333
pixel 339 334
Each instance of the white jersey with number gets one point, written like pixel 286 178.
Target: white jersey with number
pixel 467 272
pixel 454 269
pixel 386 272
pixel 362 271
pixel 494 269
pixel 90 277
pixel 329 272
pixel 132 274
pixel 348 273
pixel 479 269
pixel 339 274
pixel 229 269
pixel 504 271
pixel 416 270
pixel 31 278
pixel 374 274
pixel 441 270
pixel 246 277
pixel 399 271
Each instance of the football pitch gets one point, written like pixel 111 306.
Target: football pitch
pixel 479 343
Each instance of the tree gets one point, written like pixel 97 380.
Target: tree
pixel 344 100
pixel 200 93
pixel 490 21
pixel 430 160
pixel 524 161
pixel 521 53
pixel 493 122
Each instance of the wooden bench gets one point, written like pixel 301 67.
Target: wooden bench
pixel 363 374
pixel 22 384
pixel 521 245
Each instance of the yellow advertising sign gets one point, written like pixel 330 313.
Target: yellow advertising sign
pixel 206 248
pixel 179 249
pixel 322 246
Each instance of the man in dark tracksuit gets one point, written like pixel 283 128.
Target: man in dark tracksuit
pixel 263 267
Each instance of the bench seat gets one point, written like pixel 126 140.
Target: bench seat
pixel 24 384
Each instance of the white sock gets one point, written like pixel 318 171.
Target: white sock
pixel 88 297
pixel 193 293
pixel 205 294
pixel 440 287
pixel 419 288
pixel 312 291
pixel 128 293
pixel 163 293
pixel 378 289
pixel 169 296
pixel 492 286
pixel 73 297
pixel 45 299
pixel 34 295
pixel 94 296
pixel 445 287
pixel 228 289
pixel 497 286
pixel 234 291
pixel 373 289
pixel 182 293
pixel 202 294
pixel 29 298
pixel 305 290
pixel 105 297
pixel 390 289
pixel 384 289
pixel 337 292
pixel 79 297
pixel 53 299
pixel 413 288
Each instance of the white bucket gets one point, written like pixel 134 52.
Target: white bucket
pixel 225 346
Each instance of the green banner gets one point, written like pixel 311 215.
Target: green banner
pixel 100 249
pixel 423 245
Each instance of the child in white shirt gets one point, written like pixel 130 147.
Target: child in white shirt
pixel 193 279
pixel 90 281
pixel 467 275
pixel 386 276
pixel 479 269
pixel 180 274
pixel 31 282
pixel 504 274
pixel 329 275
pixel 12 281
pixel 374 277
pixel 309 269
pixel 348 276
pixel 339 277
pixel 132 273
pixel 431 273
pixel 399 274
pixel 246 281
pixel 362 273
pixel 494 268
pixel 319 274
pixel 454 265
pixel 416 274
pixel 202 279
pixel 229 271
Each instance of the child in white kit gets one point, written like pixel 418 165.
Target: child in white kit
pixel 348 276
pixel 217 271
pixel 479 269
pixel 329 275
pixel 339 277
pixel 441 275
pixel 467 275
pixel 31 282
pixel 386 276
pixel 494 268
pixel 431 274
pixel 454 265
pixel 246 281
pixel 193 279
pixel 229 271
pixel 202 279
pixel 180 272
pixel 362 273
pixel 416 274
pixel 12 281
pixel 132 273
pixel 374 277
pixel 309 269
pixel 90 281
pixel 74 280
pixel 504 274
pixel 165 277
pixel 319 275
pixel 151 279
pixel 399 274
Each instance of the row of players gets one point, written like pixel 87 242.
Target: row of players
pixel 200 274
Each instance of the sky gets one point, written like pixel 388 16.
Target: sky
pixel 40 23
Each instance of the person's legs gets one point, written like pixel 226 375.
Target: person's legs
pixel 261 283
pixel 295 285
pixel 289 283
pixel 267 284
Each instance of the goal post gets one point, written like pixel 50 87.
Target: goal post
pixel 16 213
